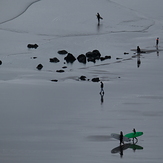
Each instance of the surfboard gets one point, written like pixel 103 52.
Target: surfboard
pixel 134 135
pixel 117 136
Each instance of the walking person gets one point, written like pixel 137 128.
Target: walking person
pixel 134 131
pixel 121 138
pixel 98 18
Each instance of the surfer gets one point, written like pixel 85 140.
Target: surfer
pixel 138 49
pixel 98 18
pixel 134 131
pixel 121 138
pixel 157 41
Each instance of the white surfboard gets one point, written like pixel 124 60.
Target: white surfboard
pixel 117 136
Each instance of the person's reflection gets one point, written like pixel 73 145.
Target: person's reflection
pixel 138 61
pixel 121 151
pixel 102 97
pixel 157 50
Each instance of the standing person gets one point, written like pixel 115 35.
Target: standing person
pixel 121 138
pixel 157 41
pixel 138 49
pixel 98 18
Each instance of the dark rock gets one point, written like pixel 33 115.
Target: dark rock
pixel 55 60
pixel 118 58
pixel 34 57
pixel 39 67
pixel 35 46
pixel 91 60
pixel 83 78
pixel 54 80
pixel 70 58
pixel 0 62
pixel 82 58
pixel 95 80
pixel 107 57
pixel 125 53
pixel 64 67
pixel 96 54
pixel 62 52
pixel 104 58
pixel 60 71
pixel 93 56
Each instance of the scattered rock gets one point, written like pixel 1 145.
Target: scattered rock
pixel 118 58
pixel 64 67
pixel 62 52
pixel 35 46
pixel 0 62
pixel 34 57
pixel 39 67
pixel 54 80
pixel 104 58
pixel 55 60
pixel 95 80
pixel 60 71
pixel 93 56
pixel 82 58
pixel 125 53
pixel 70 58
pixel 83 78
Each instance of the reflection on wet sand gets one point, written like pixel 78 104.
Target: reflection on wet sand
pixel 121 148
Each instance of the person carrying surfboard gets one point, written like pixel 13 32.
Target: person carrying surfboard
pixel 98 18
pixel 121 138
pixel 134 131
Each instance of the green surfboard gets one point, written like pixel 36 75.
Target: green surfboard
pixel 134 135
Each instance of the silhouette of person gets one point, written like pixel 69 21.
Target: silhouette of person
pixel 102 86
pixel 121 138
pixel 157 41
pixel 134 131
pixel 98 18
pixel 138 49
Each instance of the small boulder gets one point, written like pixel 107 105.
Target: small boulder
pixel 95 80
pixel 35 46
pixel 70 58
pixel 62 52
pixel 55 60
pixel 60 71
pixel 54 80
pixel 0 62
pixel 39 67
pixel 82 58
pixel 83 78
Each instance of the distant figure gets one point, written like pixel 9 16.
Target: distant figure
pixel 121 138
pixel 138 49
pixel 98 18
pixel 157 41
pixel 102 86
pixel 134 131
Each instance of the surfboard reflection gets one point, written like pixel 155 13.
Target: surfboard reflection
pixel 121 148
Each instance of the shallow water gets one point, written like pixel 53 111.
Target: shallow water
pixel 69 120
